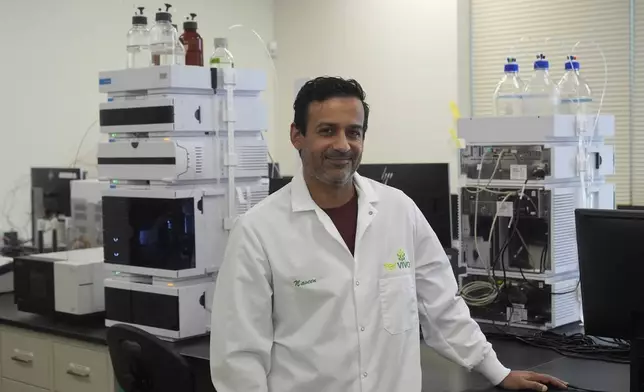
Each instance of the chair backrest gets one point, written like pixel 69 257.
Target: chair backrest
pixel 144 363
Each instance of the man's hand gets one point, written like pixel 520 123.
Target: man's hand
pixel 517 381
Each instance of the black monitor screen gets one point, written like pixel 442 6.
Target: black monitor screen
pixel 277 183
pixel 611 264
pixel 427 184
pixel 51 188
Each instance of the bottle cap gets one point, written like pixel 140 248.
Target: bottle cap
pixel 221 43
pixel 541 62
pixel 511 65
pixel 571 63
pixel 164 15
pixel 140 19
pixel 190 24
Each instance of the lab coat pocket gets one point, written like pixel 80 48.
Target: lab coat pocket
pixel 398 303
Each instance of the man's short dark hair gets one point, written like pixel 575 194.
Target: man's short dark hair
pixel 323 88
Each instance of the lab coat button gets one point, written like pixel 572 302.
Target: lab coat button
pixel 364 375
pixel 362 329
pixel 370 212
pixel 357 283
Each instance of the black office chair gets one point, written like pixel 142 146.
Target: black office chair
pixel 144 363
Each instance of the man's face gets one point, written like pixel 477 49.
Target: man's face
pixel 331 150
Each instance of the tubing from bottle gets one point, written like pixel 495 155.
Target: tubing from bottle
pixel 275 80
pixel 587 175
pixel 231 156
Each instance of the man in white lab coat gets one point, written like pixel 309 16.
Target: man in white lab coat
pixel 324 283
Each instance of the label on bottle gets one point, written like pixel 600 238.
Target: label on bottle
pixel 104 81
pixel 505 209
pixel 510 96
pixel 519 172
pixel 576 100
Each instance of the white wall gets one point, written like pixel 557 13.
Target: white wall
pixel 405 53
pixel 52 54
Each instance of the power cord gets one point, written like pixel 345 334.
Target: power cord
pixel 572 387
pixel 483 293
pixel 573 346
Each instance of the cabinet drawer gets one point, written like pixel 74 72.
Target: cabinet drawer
pixel 78 369
pixel 15 386
pixel 27 359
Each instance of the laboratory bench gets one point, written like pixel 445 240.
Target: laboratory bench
pixel 38 354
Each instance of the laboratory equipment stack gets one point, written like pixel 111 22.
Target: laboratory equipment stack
pixel 523 172
pixel 184 158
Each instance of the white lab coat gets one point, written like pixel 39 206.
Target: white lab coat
pixel 294 311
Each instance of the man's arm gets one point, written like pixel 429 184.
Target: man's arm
pixel 242 328
pixel 445 318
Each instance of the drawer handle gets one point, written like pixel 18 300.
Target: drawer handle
pixel 22 356
pixel 78 370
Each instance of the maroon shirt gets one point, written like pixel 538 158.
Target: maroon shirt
pixel 345 219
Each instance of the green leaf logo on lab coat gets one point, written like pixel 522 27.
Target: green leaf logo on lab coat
pixel 401 255
pixel 390 266
pixel 401 263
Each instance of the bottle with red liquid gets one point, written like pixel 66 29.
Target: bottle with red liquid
pixel 192 42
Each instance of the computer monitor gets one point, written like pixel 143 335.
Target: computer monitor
pixel 629 207
pixel 427 184
pixel 51 193
pixel 610 245
pixel 277 183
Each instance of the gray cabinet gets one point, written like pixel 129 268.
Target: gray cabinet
pixel 36 362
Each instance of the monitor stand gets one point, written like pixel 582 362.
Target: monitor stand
pixel 637 353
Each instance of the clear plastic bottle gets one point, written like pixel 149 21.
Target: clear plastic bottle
pixel 163 39
pixel 508 95
pixel 576 95
pixel 221 57
pixel 138 42
pixel 541 95
pixel 180 50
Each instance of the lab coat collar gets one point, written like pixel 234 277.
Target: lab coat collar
pixel 301 199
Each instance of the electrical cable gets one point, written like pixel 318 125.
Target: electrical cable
pixel 525 248
pixel 483 293
pixel 476 202
pixel 572 387
pixel 574 346
pixel 504 247
pixel 516 231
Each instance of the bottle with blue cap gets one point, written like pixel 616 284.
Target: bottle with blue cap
pixel 508 94
pixel 541 94
pixel 576 95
